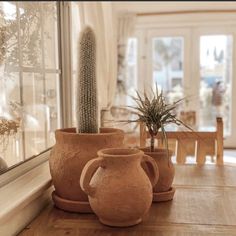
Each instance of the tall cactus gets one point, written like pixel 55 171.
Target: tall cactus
pixel 87 107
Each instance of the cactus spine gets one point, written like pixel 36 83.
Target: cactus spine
pixel 87 108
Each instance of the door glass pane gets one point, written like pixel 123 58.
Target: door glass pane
pixel 167 72
pixel 216 76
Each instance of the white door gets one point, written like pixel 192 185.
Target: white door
pixel 215 75
pixel 196 63
pixel 167 64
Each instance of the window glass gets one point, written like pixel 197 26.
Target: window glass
pixel 29 80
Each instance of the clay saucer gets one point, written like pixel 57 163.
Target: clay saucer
pixel 164 196
pixel 70 205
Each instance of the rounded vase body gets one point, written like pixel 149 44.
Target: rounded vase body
pixel 67 159
pixel 120 192
pixel 165 166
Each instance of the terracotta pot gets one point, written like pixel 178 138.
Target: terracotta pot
pixel 120 193
pixel 165 166
pixel 69 156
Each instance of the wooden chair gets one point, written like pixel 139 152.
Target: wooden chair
pixel 197 143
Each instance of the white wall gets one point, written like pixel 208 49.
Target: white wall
pixel 144 7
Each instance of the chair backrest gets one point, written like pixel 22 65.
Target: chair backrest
pixel 197 143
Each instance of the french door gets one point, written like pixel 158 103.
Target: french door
pixel 196 63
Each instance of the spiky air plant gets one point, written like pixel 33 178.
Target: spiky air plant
pixel 156 113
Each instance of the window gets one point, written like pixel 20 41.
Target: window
pixel 29 80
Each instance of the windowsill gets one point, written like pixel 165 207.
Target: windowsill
pixel 19 170
pixel 22 199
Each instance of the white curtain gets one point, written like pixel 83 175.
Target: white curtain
pixel 126 24
pixel 100 17
pixel 111 51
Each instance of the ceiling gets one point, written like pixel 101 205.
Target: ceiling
pixel 162 6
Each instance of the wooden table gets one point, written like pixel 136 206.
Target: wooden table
pixel 204 204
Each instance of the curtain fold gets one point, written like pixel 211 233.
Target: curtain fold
pixel 99 15
pixel 91 14
pixel 126 24
pixel 110 31
pixel 111 51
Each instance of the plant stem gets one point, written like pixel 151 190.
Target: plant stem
pixel 152 143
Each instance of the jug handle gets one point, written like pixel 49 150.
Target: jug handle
pixel 154 172
pixel 87 174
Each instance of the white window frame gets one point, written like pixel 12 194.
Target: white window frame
pixel 217 30
pixel 65 83
pixel 26 188
pixel 31 69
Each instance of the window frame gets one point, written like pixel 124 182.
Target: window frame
pixel 64 72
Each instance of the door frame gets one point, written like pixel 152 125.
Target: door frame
pixel 191 63
pixel 170 32
pixel 230 141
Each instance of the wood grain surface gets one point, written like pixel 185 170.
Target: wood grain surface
pixel 204 204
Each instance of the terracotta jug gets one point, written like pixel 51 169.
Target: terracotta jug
pixel 67 159
pixel 166 173
pixel 120 193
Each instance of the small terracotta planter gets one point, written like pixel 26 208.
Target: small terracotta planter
pixel 120 193
pixel 69 156
pixel 163 190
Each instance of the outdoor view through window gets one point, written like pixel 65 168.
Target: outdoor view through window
pixel 29 80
